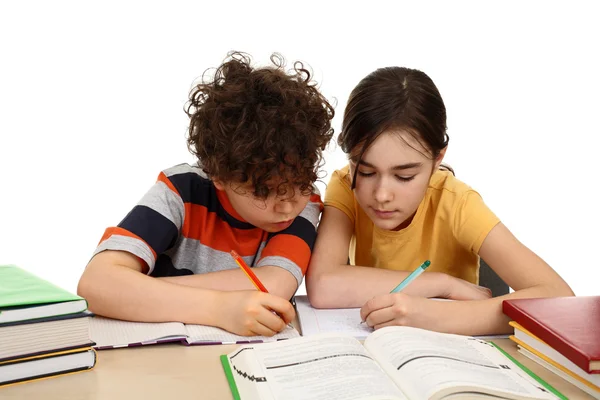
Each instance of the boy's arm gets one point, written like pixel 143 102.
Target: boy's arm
pixel 278 281
pixel 114 286
pixel 517 265
pixel 332 283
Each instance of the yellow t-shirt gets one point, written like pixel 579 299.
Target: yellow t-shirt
pixel 448 228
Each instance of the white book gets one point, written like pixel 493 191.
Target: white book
pixel 113 333
pixel 585 386
pixel 38 367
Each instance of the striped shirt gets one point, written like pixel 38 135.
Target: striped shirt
pixel 184 225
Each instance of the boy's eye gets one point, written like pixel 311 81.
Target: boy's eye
pixel 405 178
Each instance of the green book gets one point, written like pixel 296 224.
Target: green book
pixel 25 296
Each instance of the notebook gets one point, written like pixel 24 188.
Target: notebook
pixel 570 325
pixel 110 333
pixel 313 321
pixel 394 363
pixel 49 365
pixel 25 296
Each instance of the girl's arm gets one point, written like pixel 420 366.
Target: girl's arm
pixel 518 266
pixel 332 283
pixel 115 286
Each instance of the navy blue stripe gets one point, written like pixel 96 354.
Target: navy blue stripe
pixel 302 228
pixel 154 228
pixel 164 267
pixel 195 189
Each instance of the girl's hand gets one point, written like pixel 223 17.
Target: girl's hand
pixel 400 309
pixel 250 313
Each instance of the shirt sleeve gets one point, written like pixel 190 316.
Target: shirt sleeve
pixel 472 221
pixel 151 227
pixel 339 194
pixel 291 248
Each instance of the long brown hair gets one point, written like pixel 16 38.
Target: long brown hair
pixel 394 98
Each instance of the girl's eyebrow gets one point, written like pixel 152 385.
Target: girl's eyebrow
pixel 395 167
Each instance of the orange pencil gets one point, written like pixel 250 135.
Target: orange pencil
pixel 240 261
pixel 253 278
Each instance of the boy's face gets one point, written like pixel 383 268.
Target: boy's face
pixel 392 178
pixel 272 214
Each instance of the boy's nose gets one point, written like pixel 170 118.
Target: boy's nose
pixel 284 206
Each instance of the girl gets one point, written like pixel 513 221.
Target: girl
pixel 395 205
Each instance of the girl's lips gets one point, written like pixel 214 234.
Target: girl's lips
pixel 384 214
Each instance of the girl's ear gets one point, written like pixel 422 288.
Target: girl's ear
pixel 440 158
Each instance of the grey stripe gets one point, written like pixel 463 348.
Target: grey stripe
pixel 311 212
pixel 199 258
pixel 130 245
pixel 184 169
pixel 164 201
pixel 284 263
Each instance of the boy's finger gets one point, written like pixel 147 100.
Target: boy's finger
pixel 262 330
pixel 271 321
pixel 282 307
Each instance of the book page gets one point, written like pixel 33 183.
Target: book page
pixel 344 320
pixel 202 334
pixel 428 364
pixel 327 367
pixel 107 332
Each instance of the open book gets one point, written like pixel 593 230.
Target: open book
pixel 112 333
pixel 394 363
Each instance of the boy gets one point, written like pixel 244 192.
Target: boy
pixel 258 134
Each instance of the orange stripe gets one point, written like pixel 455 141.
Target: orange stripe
pixel 211 231
pixel 163 178
pixel 291 247
pixel 315 198
pixel 226 204
pixel 115 230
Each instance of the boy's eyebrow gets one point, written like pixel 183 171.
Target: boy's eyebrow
pixel 395 167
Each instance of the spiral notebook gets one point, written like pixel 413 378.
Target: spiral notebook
pixel 112 333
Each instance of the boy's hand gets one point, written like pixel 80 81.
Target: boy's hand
pixel 459 289
pixel 250 313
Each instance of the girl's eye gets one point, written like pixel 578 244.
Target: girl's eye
pixel 405 178
pixel 365 174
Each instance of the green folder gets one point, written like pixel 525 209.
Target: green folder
pixel 25 296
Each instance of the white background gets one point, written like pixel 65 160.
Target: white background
pixel 91 100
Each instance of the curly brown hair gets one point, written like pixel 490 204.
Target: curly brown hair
pixel 259 125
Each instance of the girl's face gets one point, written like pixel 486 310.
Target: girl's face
pixel 392 178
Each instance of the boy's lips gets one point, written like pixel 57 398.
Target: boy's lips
pixel 284 224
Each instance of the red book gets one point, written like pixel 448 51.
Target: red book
pixel 570 325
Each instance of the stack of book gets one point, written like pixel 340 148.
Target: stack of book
pixel 44 330
pixel 562 334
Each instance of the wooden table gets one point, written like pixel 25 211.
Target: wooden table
pixel 177 372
